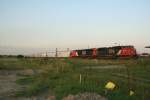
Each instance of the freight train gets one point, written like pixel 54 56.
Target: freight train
pixel 106 52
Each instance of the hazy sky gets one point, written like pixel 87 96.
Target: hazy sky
pixel 74 23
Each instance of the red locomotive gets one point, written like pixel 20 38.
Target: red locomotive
pixel 106 52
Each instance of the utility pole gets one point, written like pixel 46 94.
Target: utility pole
pixel 67 49
pixel 56 53
pixel 46 54
pixel 88 47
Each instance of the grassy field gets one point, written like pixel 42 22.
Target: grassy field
pixel 61 77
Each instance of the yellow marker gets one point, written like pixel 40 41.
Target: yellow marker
pixel 110 86
pixel 131 93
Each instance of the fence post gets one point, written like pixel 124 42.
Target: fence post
pixel 80 79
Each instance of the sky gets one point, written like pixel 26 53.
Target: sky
pixel 29 24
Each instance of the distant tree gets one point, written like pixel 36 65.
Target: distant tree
pixel 10 56
pixel 147 47
pixel 20 56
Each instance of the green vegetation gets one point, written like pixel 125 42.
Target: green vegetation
pixel 62 76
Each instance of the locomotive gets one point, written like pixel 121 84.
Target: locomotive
pixel 105 52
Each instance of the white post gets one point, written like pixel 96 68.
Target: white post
pixel 80 78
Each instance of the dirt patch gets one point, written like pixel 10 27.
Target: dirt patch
pixel 8 86
pixel 131 77
pixel 85 96
pixel 105 67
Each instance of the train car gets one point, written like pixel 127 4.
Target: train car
pixel 127 51
pixel 84 53
pixel 117 52
pixel 63 54
pixel 106 52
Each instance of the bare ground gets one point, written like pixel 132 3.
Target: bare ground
pixel 8 86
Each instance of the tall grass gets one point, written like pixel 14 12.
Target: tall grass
pixel 62 77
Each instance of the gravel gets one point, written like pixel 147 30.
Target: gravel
pixel 85 96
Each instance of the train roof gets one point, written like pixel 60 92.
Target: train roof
pixel 130 46
pixel 125 46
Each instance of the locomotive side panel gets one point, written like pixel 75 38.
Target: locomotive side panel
pixel 102 52
pixel 110 52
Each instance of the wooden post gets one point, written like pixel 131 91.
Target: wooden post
pixel 80 79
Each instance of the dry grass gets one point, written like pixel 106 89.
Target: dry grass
pixel 61 77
